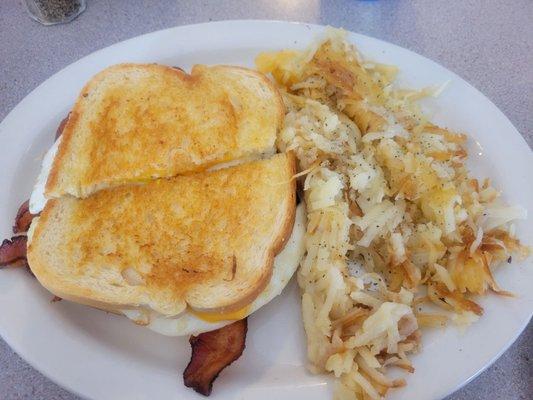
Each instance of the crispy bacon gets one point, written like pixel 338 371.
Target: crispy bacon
pixel 61 126
pixel 211 353
pixel 13 252
pixel 23 218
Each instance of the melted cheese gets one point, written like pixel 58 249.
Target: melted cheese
pixel 213 317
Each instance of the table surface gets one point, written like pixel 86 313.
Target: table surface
pixel 487 42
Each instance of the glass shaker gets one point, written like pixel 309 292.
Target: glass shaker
pixel 51 12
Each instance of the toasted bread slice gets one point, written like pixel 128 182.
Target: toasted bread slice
pixel 206 240
pixel 136 122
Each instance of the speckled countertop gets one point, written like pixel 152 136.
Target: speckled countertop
pixel 487 42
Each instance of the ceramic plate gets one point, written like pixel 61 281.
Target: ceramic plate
pixel 103 356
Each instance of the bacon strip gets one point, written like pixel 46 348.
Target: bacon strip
pixel 211 353
pixel 13 251
pixel 61 126
pixel 23 218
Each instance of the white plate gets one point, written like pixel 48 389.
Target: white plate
pixel 102 356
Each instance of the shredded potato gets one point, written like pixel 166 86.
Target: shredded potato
pixel 394 220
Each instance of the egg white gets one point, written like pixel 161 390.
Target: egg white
pixel 285 264
pixel 37 199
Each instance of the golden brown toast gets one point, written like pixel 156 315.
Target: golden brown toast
pixel 206 240
pixel 136 122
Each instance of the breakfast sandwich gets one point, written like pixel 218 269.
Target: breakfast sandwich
pixel 163 199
